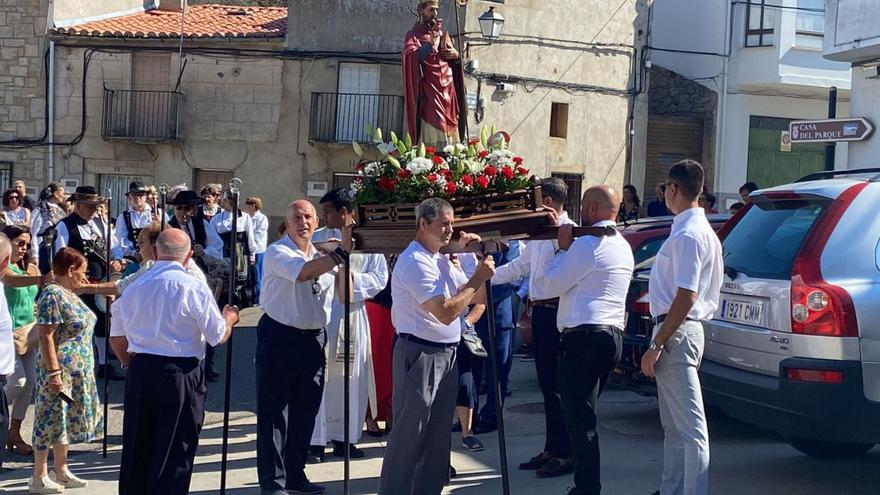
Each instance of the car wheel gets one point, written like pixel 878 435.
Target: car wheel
pixel 829 450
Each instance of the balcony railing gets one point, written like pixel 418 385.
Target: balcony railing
pixel 344 117
pixel 139 115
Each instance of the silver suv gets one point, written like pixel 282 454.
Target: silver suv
pixel 795 344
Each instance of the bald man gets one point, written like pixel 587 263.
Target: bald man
pixel 591 276
pixel 296 298
pixel 162 343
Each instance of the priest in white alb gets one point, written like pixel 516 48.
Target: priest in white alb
pixel 369 275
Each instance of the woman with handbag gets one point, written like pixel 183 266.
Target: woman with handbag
pixel 67 409
pixel 20 285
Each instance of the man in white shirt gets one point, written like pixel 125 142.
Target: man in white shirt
pixel 160 327
pixel 369 275
pixel 131 221
pixel 7 347
pixel 591 276
pixel 299 283
pixel 252 207
pixel 554 460
pixel 683 291
pixel 430 296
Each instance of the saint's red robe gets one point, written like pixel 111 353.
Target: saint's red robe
pixel 432 79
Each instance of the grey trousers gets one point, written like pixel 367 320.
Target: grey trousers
pixel 686 435
pixel 425 385
pixel 4 419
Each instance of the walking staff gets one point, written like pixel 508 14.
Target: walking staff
pixel 163 200
pixel 233 274
pixel 106 327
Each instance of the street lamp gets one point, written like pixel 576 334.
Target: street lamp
pixel 491 23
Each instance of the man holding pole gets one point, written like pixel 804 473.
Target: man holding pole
pixel 162 343
pixel 298 289
pixel 431 294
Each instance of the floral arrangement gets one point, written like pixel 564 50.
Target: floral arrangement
pixel 404 173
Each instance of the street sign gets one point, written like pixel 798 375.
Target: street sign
pixel 830 130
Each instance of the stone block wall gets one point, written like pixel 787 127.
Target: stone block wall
pixel 22 86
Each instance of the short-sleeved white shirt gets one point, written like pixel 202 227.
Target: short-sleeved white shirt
pixel 180 317
pixel 689 259
pixel 419 276
pixel 7 345
pixel 304 305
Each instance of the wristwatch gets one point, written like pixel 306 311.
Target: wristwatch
pixel 656 347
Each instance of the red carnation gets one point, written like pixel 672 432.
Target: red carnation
pixel 404 173
pixel 483 153
pixel 360 165
pixel 451 188
pixel 483 181
pixel 467 180
pixel 490 171
pixel 507 172
pixel 437 160
pixel 387 183
pixel 431 177
pixel 522 170
pixel 517 160
pixel 447 174
pixel 430 150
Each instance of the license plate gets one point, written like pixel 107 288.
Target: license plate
pixel 742 312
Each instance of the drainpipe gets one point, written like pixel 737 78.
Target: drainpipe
pixel 722 101
pixel 51 123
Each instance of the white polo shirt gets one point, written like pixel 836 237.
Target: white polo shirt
pixel 304 305
pixel 7 347
pixel 419 276
pixel 180 314
pixel 689 259
pixel 591 280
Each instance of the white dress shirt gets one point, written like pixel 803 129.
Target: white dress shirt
pixel 689 259
pixel 86 231
pixel 139 220
pixel 591 280
pixel 418 277
pixel 531 262
pixel 191 267
pixel 7 346
pixel 261 231
pixel 304 305
pixel 222 223
pixel 180 317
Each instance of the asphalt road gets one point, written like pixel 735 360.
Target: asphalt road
pixel 745 460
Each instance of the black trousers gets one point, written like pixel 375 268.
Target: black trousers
pixel 164 413
pixel 546 347
pixel 290 383
pixel 586 358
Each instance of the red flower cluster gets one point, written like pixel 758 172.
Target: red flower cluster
pixel 517 160
pixel 467 180
pixel 404 174
pixel 387 183
pixel 490 171
pixel 483 181
pixel 447 174
pixel 451 188
pixel 507 172
pixel 483 153
pixel 437 160
pixel 430 150
pixel 431 177
pixel 522 170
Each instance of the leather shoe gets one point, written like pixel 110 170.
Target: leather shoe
pixel 536 462
pixel 354 452
pixel 305 487
pixel 316 454
pixel 555 467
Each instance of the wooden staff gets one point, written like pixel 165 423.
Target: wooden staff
pixel 346 414
pixel 233 276
pixel 106 367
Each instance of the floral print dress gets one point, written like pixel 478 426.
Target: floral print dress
pixel 55 421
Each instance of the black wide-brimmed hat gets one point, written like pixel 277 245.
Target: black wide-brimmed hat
pixel 187 198
pixel 86 195
pixel 136 187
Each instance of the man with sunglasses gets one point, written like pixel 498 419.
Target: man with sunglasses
pixel 138 216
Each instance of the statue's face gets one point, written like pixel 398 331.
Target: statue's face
pixel 428 12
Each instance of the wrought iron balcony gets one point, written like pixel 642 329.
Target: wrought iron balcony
pixel 140 115
pixel 344 117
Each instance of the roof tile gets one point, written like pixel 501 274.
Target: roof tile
pixel 201 21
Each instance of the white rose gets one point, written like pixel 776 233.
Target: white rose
pixel 419 166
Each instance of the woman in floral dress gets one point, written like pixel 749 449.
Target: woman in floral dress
pixel 66 366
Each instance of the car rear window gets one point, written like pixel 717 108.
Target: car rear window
pixel 766 240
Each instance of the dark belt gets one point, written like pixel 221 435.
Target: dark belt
pixel 547 303
pixel 660 319
pixel 592 328
pixel 439 345
pixel 303 331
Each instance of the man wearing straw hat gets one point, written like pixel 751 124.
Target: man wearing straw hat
pixel 83 231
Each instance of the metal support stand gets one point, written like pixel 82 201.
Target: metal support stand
pixel 163 201
pixel 233 275
pixel 346 415
pixel 496 382
pixel 106 366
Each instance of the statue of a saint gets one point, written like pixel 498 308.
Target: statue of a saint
pixel 430 96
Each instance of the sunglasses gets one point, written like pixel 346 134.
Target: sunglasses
pixel 22 243
pixel 183 208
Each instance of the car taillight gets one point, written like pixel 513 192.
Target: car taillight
pixel 817 376
pixel 642 305
pixel 817 307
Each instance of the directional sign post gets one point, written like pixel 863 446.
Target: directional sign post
pixel 830 130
